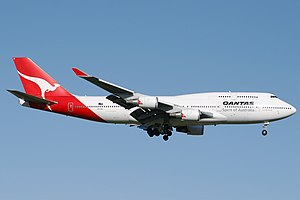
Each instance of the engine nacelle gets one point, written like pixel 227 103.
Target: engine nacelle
pixel 145 102
pixel 191 115
pixel 191 130
pixel 148 102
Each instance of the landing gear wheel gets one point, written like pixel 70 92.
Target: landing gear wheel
pixel 264 132
pixel 165 137
pixel 150 133
pixel 156 132
pixel 169 133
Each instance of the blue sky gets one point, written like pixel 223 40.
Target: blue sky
pixel 158 48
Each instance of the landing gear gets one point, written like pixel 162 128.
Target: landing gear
pixel 265 131
pixel 169 133
pixel 152 132
pixel 156 132
pixel 165 131
pixel 165 137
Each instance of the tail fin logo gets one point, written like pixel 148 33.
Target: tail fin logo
pixel 43 85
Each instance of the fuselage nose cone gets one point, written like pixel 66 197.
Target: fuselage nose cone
pixel 294 110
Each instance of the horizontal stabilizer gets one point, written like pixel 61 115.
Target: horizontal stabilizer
pixel 29 98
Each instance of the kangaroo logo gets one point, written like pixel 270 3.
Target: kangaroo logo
pixel 43 85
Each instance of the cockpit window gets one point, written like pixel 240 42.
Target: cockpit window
pixel 273 96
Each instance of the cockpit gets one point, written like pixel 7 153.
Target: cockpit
pixel 273 96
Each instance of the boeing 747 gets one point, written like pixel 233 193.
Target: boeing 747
pixel 157 115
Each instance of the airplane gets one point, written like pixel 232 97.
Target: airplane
pixel 157 115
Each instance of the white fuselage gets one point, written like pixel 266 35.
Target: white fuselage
pixel 226 107
pixel 157 115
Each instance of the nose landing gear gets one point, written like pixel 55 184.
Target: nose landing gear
pixel 265 131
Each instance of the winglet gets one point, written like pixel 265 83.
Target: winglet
pixel 79 72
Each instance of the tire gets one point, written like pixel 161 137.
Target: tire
pixel 156 132
pixel 150 133
pixel 166 137
pixel 169 133
pixel 264 132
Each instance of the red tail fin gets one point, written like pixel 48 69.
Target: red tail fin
pixel 51 96
pixel 36 82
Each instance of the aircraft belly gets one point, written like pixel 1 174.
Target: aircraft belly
pixel 250 117
pixel 117 116
pixel 208 121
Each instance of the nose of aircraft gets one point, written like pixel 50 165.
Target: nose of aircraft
pixel 294 110
pixel 291 110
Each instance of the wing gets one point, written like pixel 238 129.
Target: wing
pixel 129 99
pixel 110 87
pixel 120 101
pixel 150 110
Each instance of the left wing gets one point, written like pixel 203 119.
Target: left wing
pixel 112 88
pixel 122 96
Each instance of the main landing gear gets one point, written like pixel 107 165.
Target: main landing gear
pixel 265 131
pixel 166 132
pixel 166 137
pixel 152 132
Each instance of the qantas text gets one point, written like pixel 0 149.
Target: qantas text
pixel 238 103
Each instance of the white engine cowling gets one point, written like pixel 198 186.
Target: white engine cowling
pixel 191 115
pixel 148 102
pixel 191 130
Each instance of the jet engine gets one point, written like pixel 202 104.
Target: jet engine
pixel 191 130
pixel 191 115
pixel 145 102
